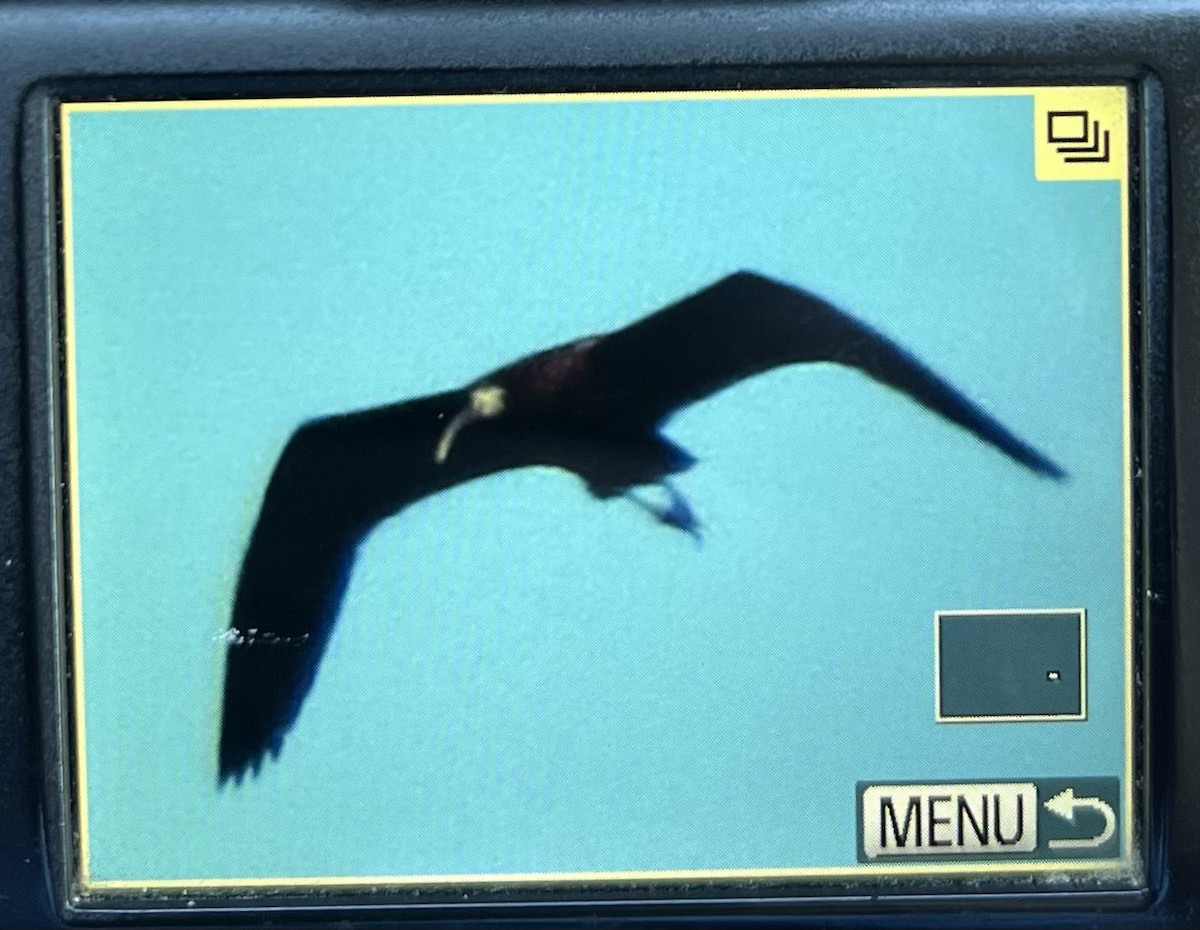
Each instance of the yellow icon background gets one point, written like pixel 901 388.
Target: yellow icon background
pixel 1109 106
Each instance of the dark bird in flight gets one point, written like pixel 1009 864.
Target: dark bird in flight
pixel 593 407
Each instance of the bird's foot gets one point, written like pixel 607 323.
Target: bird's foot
pixel 675 512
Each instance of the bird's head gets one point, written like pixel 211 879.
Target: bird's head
pixel 486 402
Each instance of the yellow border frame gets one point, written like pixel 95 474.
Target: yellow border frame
pixel 1127 868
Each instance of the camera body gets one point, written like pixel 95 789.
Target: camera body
pixel 451 166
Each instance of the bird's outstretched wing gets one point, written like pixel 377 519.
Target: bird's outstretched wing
pixel 335 480
pixel 746 324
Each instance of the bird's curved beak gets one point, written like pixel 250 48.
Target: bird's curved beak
pixel 486 402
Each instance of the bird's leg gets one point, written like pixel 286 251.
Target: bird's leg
pixel 676 512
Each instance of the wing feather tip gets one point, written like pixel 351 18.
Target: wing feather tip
pixel 237 771
pixel 1023 453
pixel 229 771
pixel 1047 468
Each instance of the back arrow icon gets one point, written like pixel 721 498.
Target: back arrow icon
pixel 1065 804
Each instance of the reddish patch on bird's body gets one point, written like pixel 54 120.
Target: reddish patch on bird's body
pixel 559 369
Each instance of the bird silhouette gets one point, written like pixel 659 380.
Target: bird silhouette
pixel 593 407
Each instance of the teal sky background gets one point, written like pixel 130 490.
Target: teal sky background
pixel 524 679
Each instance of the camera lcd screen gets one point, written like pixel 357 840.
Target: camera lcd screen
pixel 535 490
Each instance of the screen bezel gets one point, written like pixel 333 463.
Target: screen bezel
pixel 1149 440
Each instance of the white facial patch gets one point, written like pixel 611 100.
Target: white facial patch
pixel 486 402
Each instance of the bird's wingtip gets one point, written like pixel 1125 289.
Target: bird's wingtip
pixel 237 766
pixel 229 771
pixel 1057 473
pixel 227 774
pixel 1045 467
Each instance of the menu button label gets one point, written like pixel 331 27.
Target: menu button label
pixel 949 820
